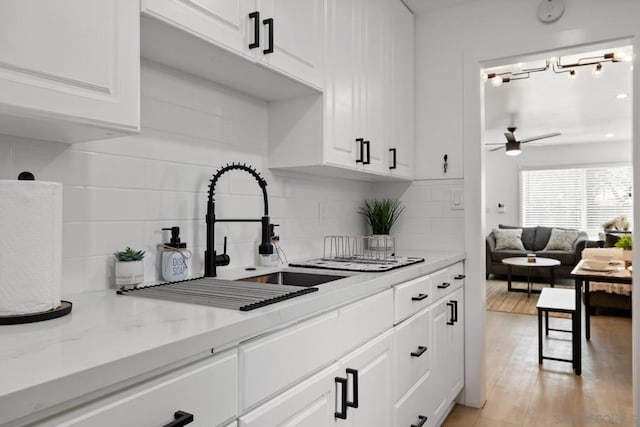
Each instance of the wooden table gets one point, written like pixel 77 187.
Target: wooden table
pixel 541 262
pixel 583 276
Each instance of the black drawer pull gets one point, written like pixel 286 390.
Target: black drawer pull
pixel 360 142
pixel 180 418
pixel 460 277
pixel 269 22
pixel 367 144
pixel 256 30
pixel 419 352
pixel 445 285
pixel 393 164
pixel 420 297
pixel 342 413
pixel 356 388
pixel 421 420
pixel 455 311
pixel 451 321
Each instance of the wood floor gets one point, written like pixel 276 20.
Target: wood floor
pixel 522 393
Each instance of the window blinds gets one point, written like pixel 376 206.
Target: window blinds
pixel 581 198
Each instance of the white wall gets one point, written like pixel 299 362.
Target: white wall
pixel 451 46
pixel 121 192
pixel 503 172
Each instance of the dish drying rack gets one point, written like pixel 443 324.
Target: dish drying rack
pixel 359 253
pixel 363 249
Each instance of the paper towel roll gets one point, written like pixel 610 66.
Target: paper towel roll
pixel 30 246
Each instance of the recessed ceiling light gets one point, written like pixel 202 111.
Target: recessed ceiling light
pixel 610 135
pixel 622 95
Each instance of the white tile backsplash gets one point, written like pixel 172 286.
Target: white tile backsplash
pixel 428 222
pixel 122 192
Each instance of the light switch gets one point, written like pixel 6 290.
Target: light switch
pixel 457 200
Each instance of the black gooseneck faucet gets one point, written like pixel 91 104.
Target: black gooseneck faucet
pixel 211 259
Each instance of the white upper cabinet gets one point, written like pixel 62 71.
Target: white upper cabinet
pixel 272 49
pixel 366 114
pixel 70 69
pixel 223 22
pixel 401 138
pixel 293 38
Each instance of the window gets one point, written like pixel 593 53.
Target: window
pixel 581 198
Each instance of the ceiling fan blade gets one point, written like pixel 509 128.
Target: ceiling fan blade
pixel 496 149
pixel 535 138
pixel 494 143
pixel 510 137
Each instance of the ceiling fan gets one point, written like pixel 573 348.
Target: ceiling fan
pixel 512 146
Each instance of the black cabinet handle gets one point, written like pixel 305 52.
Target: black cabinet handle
pixel 367 144
pixel 356 388
pixel 444 285
pixel 256 29
pixel 419 352
pixel 460 277
pixel 393 164
pixel 180 418
pixel 269 22
pixel 420 297
pixel 450 321
pixel 421 420
pixel 455 311
pixel 342 413
pixel 360 142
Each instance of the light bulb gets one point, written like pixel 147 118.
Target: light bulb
pixel 622 95
pixel 513 152
pixel 496 81
pixel 597 71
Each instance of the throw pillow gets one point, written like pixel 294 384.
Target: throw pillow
pixel 561 240
pixel 508 239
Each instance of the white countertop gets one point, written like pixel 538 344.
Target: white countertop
pixel 109 338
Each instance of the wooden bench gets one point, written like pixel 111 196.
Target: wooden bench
pixel 557 301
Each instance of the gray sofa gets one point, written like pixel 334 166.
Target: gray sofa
pixel 534 240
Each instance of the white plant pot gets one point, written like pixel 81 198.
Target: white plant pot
pixel 129 273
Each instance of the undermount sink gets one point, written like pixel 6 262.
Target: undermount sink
pixel 293 278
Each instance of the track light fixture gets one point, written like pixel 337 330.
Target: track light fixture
pixel 557 66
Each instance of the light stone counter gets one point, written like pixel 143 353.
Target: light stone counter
pixel 109 339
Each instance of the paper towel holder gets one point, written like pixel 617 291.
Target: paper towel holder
pixel 16 319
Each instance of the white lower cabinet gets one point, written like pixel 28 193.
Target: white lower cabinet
pixel 271 363
pixel 448 351
pixel 368 373
pixel 412 350
pixel 311 403
pixel 206 390
pixel 413 408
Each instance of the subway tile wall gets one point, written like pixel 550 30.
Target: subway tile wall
pixel 121 192
pixel 431 219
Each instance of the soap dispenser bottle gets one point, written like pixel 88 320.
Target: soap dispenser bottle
pixel 175 257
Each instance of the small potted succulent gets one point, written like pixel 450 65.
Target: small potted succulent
pixel 129 267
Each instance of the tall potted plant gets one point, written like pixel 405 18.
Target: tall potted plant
pixel 381 215
pixel 129 267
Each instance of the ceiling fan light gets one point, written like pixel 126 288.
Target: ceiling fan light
pixel 496 81
pixel 513 148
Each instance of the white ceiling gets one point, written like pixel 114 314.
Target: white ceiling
pixel 422 6
pixel 584 109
